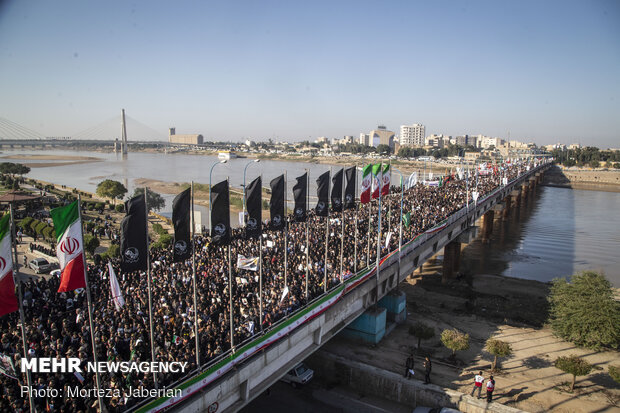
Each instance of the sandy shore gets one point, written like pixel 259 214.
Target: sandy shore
pixel 63 160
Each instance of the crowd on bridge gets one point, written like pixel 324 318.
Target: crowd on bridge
pixel 57 323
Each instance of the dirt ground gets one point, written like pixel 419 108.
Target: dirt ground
pixel 527 379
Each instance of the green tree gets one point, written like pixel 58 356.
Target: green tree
pixel 422 332
pixel 384 149
pixel 573 365
pixel 584 311
pixel 154 201
pixel 455 340
pixel 112 252
pixel 90 244
pixel 614 372
pixel 111 189
pixel 497 348
pixel 13 168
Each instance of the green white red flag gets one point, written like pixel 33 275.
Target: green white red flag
pixel 366 183
pixel 70 247
pixel 387 175
pixel 376 182
pixel 8 300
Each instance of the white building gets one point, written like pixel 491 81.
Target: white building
pixel 412 135
pixel 488 142
pixel 364 139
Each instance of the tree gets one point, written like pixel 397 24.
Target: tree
pixel 13 168
pixel 497 348
pixel 90 244
pixel 154 201
pixel 455 340
pixel 573 365
pixel 422 332
pixel 111 189
pixel 584 311
pixel 384 148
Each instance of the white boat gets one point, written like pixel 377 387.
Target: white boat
pixel 226 155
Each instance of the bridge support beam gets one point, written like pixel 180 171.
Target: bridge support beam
pixel 451 260
pixel 487 225
pixel 516 198
pixel 507 206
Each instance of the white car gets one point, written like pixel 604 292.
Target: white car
pixel 40 266
pixel 299 375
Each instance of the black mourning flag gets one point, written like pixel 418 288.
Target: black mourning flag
pixel 276 203
pixel 336 197
pixel 300 193
pixel 220 214
pixel 253 201
pixel 349 190
pixel 133 236
pixel 322 192
pixel 182 225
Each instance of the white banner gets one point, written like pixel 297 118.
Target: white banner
pixel 249 263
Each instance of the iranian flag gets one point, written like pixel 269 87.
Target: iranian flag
pixel 376 182
pixel 387 175
pixel 8 301
pixel 366 180
pixel 70 246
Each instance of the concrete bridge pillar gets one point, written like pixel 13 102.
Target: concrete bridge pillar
pixel 487 225
pixel 506 212
pixel 516 198
pixel 451 260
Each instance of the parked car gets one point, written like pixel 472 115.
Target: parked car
pixel 299 375
pixel 55 273
pixel 40 266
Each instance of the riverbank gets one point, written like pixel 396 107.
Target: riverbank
pixel 55 160
pixel 588 179
pixel 484 306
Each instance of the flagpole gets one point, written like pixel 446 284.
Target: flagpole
pixel 379 235
pixel 149 281
pixel 22 316
pixel 389 202
pixel 90 307
pixel 356 205
pixel 307 231
pixel 342 230
pixel 368 236
pixel 285 231
pixel 400 229
pixel 326 232
pixel 194 279
pixel 230 296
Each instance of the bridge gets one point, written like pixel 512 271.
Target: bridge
pixel 233 380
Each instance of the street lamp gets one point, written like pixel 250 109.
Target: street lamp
pixel 400 231
pixel 210 175
pixel 245 169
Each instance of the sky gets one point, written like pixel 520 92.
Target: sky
pixel 534 71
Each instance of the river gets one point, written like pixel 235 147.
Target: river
pixel 556 233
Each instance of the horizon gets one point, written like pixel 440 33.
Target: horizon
pixel 543 73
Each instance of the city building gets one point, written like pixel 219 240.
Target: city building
pixel 364 139
pixel 412 135
pixel 184 139
pixel 487 142
pixel 382 136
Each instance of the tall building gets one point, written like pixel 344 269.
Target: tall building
pixel 412 135
pixel 364 139
pixel 382 136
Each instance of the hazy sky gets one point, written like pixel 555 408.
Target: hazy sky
pixel 543 71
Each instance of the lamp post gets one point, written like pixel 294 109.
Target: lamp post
pixel 400 230
pixel 210 176
pixel 244 170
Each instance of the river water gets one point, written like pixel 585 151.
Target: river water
pixel 556 233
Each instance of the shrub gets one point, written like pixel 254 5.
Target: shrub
pixel 422 332
pixel 90 244
pixel 497 348
pixel 120 208
pixel 455 340
pixel 573 365
pixel 614 372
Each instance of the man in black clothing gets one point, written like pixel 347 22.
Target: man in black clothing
pixel 427 370
pixel 409 367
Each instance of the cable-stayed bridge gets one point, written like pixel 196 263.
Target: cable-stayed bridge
pixel 14 134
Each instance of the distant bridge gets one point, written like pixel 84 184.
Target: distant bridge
pixel 232 381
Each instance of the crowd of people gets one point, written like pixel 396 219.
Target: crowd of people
pixel 57 323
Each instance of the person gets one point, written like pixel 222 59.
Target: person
pixel 409 367
pixel 427 370
pixel 490 388
pixel 478 380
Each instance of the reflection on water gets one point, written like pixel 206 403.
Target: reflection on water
pixel 556 233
